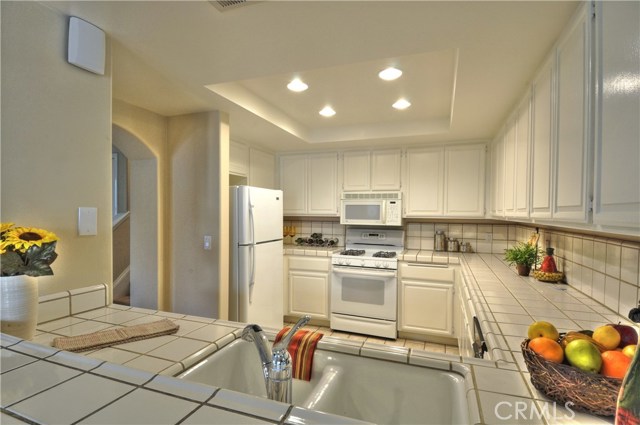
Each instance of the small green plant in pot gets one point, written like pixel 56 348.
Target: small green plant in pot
pixel 524 256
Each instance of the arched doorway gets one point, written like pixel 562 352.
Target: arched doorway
pixel 143 201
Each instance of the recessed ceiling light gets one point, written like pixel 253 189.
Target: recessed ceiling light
pixel 327 111
pixel 401 104
pixel 390 74
pixel 297 85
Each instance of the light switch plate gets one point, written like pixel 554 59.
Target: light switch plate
pixel 87 221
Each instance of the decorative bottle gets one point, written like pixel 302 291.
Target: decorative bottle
pixel 549 263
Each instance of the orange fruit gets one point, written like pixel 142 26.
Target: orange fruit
pixel 614 364
pixel 547 348
pixel 608 336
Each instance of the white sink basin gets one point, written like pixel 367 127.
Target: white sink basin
pixel 357 387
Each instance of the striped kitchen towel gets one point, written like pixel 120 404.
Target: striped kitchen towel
pixel 301 349
pixel 109 337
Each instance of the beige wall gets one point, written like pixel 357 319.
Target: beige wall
pixel 151 130
pixel 199 207
pixel 56 143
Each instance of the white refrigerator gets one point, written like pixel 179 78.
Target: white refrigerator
pixel 256 286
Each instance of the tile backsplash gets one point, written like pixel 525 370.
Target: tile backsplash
pixel 606 269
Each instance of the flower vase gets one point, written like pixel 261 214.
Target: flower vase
pixel 19 305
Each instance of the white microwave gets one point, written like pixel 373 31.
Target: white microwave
pixel 371 208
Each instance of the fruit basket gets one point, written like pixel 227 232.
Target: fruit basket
pixel 548 276
pixel 591 393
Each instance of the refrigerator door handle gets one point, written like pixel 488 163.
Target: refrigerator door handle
pixel 252 272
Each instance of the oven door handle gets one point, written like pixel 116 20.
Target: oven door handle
pixel 369 272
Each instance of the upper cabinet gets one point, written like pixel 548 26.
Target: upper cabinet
pixel 445 181
pixel 371 170
pixel 258 168
pixel 617 146
pixel 571 197
pixel 541 141
pixel 309 183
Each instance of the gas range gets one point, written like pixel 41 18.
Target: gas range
pixel 371 248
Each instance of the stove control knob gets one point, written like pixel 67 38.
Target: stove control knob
pixel 347 262
pixel 386 265
pixel 378 264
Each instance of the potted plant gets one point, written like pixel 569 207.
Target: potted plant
pixel 25 253
pixel 524 256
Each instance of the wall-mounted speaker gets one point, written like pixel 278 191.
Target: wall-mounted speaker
pixel 86 46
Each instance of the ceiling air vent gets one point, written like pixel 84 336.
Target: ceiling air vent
pixel 224 5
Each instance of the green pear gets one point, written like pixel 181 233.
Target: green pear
pixel 584 355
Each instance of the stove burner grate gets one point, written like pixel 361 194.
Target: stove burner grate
pixel 354 252
pixel 385 254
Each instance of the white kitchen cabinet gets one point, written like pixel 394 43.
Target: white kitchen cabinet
pixel 509 167
pixel 426 299
pixel 372 170
pixel 309 183
pixel 308 285
pixel 541 141
pixel 571 196
pixel 424 182
pixel 262 169
pixel 238 159
pixel 464 180
pixel 497 176
pixel 617 175
pixel 522 159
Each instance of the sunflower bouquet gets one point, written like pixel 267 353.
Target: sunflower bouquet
pixel 26 250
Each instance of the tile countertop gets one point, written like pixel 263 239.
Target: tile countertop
pixel 141 373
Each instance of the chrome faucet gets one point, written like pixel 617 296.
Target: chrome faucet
pixel 276 362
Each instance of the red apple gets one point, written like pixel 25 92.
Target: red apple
pixel 628 335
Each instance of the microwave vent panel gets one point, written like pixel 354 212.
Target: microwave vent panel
pixel 372 195
pixel 225 5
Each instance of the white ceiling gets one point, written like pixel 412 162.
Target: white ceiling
pixel 465 65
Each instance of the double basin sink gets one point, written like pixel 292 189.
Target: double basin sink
pixel 362 388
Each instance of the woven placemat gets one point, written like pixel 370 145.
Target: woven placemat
pixel 109 337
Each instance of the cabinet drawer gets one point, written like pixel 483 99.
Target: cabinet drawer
pixel 309 264
pixel 426 272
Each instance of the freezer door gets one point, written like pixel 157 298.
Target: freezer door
pixel 259 214
pixel 258 289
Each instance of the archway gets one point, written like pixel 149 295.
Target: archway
pixel 143 217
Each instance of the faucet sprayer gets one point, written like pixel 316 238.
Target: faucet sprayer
pixel 276 362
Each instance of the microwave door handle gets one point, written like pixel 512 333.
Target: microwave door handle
pixel 384 212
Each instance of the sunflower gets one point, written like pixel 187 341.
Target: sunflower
pixel 23 238
pixel 5 226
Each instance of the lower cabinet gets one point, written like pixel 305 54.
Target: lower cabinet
pixel 426 299
pixel 308 283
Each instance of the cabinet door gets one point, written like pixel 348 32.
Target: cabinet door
pixel 322 189
pixel 521 194
pixel 293 182
pixel 356 171
pixel 238 159
pixel 385 169
pixel 424 182
pixel 427 307
pixel 309 294
pixel 509 167
pixel 573 75
pixel 497 177
pixel 617 197
pixel 261 169
pixel 464 180
pixel 541 143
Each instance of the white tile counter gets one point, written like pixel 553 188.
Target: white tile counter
pixel 133 382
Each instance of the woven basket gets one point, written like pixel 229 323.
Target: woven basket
pixel 590 393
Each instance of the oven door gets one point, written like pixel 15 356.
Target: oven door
pixel 364 292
